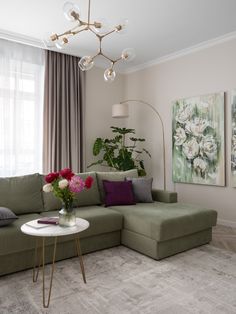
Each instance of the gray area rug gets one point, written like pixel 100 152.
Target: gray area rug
pixel 122 281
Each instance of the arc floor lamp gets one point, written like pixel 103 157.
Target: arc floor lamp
pixel 121 110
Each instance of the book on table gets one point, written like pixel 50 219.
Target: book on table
pixel 34 224
pixel 49 220
pixel 43 222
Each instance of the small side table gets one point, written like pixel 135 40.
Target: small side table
pixel 53 231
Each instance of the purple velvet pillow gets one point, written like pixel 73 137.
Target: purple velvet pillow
pixel 118 193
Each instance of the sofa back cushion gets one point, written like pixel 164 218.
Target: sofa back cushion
pixel 113 176
pixel 22 194
pixel 84 198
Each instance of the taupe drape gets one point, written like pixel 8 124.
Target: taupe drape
pixel 63 113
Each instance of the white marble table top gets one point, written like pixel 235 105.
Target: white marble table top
pixel 56 230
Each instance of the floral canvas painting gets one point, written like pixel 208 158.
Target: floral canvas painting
pixel 198 152
pixel 233 138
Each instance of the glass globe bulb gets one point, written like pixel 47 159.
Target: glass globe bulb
pixel 47 40
pixel 128 54
pixel 105 26
pixel 86 63
pixel 109 75
pixel 60 44
pixel 121 26
pixel 48 43
pixel 68 8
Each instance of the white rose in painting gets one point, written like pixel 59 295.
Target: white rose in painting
pixel 184 114
pixel 199 165
pixel 179 136
pixel 208 147
pixel 191 148
pixel 63 184
pixel 47 188
pixel 196 126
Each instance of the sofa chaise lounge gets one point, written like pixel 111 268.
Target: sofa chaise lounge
pixel 159 229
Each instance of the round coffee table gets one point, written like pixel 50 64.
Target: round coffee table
pixel 53 231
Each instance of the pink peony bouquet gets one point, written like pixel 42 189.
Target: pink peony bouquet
pixel 65 185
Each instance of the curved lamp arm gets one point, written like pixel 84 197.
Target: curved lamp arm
pixel 162 130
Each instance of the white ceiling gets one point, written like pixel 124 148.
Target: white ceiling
pixel 156 27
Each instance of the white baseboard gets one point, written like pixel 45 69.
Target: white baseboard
pixel 227 223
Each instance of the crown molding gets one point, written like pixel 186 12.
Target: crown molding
pixel 21 38
pixel 183 52
pixel 27 40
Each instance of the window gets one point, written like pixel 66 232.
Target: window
pixel 21 108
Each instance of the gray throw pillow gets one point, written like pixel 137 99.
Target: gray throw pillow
pixel 142 188
pixel 6 216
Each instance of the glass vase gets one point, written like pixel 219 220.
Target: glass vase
pixel 67 217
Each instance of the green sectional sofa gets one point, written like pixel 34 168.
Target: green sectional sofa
pixel 159 229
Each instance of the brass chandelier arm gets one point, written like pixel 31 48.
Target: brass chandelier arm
pixel 118 59
pixel 108 33
pixel 162 130
pixel 79 31
pixel 72 13
pixel 106 57
pixel 93 31
pixel 73 32
pixel 100 52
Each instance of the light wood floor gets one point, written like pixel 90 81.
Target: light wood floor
pixel 224 237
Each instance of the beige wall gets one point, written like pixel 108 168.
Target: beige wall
pixel 206 71
pixel 99 99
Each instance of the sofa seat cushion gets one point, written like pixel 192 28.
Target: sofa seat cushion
pixel 12 240
pixel 102 220
pixel 22 194
pixel 164 221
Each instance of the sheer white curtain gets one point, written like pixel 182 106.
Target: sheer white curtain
pixel 21 108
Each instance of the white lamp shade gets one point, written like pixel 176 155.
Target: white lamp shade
pixel 120 111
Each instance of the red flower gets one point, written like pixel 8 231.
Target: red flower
pixel 88 182
pixel 51 177
pixel 67 173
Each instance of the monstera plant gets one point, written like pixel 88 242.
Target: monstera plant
pixel 121 151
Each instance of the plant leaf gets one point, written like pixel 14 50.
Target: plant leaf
pixel 99 162
pixel 134 139
pixel 141 139
pixel 147 152
pixel 97 147
pixel 122 130
pixel 141 164
pixel 141 172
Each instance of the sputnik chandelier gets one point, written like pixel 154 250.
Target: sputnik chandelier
pixel 100 29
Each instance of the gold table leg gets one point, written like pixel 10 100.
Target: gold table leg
pixel 37 261
pixel 46 305
pixel 40 262
pixel 78 248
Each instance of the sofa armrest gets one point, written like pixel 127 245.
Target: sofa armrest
pixel 164 196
